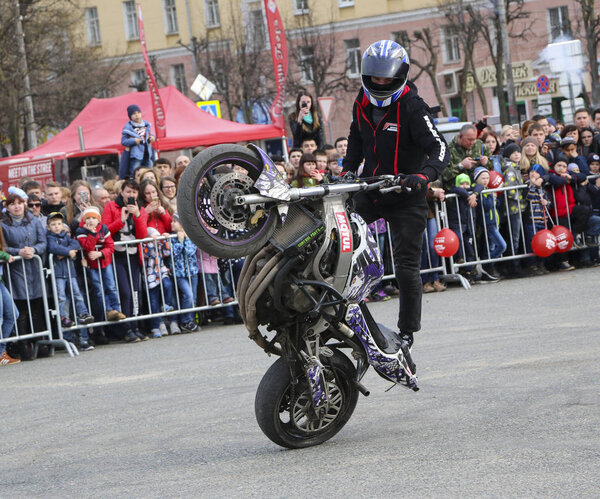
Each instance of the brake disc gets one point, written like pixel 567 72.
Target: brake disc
pixel 222 198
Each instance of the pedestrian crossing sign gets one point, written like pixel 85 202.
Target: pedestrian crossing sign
pixel 210 106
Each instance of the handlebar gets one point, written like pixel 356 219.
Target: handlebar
pixel 383 183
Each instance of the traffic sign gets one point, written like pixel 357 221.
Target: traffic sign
pixel 542 84
pixel 325 104
pixel 210 106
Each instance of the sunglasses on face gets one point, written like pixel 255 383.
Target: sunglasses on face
pixel 34 205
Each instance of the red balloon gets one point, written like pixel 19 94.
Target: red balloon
pixel 543 243
pixel 496 180
pixel 446 243
pixel 564 238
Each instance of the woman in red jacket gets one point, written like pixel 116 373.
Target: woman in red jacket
pixel 127 220
pixel 160 214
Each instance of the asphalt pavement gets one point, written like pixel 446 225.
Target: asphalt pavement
pixel 509 407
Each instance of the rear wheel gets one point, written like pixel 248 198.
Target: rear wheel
pixel 205 202
pixel 285 412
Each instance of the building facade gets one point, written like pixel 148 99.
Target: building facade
pixel 172 26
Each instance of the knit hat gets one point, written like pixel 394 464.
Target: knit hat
pixel 593 157
pixel 567 141
pixel 462 178
pixel 562 158
pixel 510 148
pixel 132 109
pixel 478 171
pixel 529 140
pixel 552 122
pixel 539 169
pixel 571 167
pixel 91 211
pixel 19 192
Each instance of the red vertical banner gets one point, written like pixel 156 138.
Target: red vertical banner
pixel 280 60
pixel 158 109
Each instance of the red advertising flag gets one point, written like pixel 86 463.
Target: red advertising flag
pixel 158 109
pixel 280 60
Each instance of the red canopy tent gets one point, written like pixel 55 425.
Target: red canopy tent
pixel 102 121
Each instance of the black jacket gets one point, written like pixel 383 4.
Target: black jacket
pixel 404 141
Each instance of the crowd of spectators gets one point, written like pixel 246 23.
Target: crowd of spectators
pixel 549 172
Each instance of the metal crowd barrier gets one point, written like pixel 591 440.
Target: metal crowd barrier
pixel 166 310
pixel 43 336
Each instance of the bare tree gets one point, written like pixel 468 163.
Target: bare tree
pixel 422 47
pixel 315 51
pixel 488 22
pixel 458 21
pixel 590 22
pixel 64 72
pixel 235 62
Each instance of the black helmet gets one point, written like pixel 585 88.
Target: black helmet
pixel 385 59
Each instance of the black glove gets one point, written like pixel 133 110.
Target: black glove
pixel 416 182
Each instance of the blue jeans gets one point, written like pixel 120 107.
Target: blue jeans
pixel 63 289
pixel 429 258
pixel 211 283
pixel 593 226
pixel 106 289
pixel 9 315
pixel 497 244
pixel 188 295
pixel 156 304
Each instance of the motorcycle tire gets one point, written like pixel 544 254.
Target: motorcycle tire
pixel 205 202
pixel 280 406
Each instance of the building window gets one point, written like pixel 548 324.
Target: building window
pixel 178 78
pixel 92 25
pixel 306 57
pixel 256 30
pixel 211 13
pixel 300 7
pixel 558 18
pixel 451 45
pixel 131 20
pixel 138 80
pixel 170 14
pixel 345 3
pixel 353 57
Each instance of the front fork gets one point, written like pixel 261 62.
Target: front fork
pixel 315 373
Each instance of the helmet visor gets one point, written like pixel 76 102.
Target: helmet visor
pixel 394 66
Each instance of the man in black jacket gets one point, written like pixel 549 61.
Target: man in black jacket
pixel 393 131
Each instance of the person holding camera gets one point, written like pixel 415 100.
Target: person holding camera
pixel 304 121
pixel 80 200
pixel 467 152
pixel 127 221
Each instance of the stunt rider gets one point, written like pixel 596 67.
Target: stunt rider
pixel 393 131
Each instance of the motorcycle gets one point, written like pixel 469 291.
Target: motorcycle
pixel 310 263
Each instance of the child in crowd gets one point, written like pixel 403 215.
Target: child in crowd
pixel 334 164
pixel 137 139
pixel 308 175
pixel 209 266
pixel 98 246
pixel 159 283
pixel 321 159
pixel 488 221
pixel 594 188
pixel 461 216
pixel 186 273
pixel 290 173
pixel 65 249
pixel 514 199
pixel 535 216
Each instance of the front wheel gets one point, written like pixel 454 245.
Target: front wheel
pixel 206 202
pixel 285 413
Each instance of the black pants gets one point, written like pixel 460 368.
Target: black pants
pixel 407 221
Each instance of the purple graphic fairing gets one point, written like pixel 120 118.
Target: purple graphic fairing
pixel 367 265
pixel 315 378
pixel 387 364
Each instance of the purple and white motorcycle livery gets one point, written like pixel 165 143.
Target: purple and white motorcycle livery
pixel 310 263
